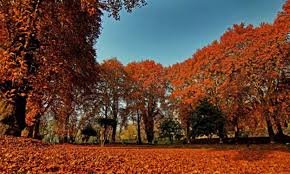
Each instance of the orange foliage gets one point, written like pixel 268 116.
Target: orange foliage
pixel 240 72
pixel 149 88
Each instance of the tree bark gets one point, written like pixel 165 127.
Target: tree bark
pixel 149 129
pixel 115 117
pixel 188 131
pixel 15 123
pixel 279 128
pixel 114 132
pixel 36 128
pixel 269 127
pixel 237 130
pixel 139 139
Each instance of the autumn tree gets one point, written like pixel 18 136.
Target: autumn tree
pixel 244 73
pixel 46 50
pixel 113 84
pixel 149 92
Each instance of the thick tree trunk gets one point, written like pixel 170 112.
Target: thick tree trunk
pixel 139 139
pixel 114 126
pixel 149 129
pixel 13 124
pixel 20 112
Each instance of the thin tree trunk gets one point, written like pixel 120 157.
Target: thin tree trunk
pixel 114 133
pixel 237 130
pixel 106 127
pixel 139 139
pixel 279 129
pixel 36 130
pixel 269 127
pixel 188 131
pixel 115 109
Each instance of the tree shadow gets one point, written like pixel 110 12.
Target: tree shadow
pixel 252 155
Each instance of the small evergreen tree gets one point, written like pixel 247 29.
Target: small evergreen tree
pixel 207 120
pixel 170 128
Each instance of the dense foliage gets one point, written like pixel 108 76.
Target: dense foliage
pixel 170 128
pixel 207 120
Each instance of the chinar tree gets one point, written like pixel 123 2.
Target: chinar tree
pixel 47 45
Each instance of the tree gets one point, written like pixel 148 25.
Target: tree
pixel 148 92
pixel 113 83
pixel 207 120
pixel 105 124
pixel 46 50
pixel 243 74
pixel 170 128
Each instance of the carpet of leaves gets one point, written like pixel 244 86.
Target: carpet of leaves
pixel 19 155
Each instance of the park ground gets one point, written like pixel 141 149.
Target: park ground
pixel 20 155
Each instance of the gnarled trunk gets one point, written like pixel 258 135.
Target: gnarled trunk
pixel 14 123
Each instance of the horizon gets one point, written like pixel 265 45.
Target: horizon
pixel 160 44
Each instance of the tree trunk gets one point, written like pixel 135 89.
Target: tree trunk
pixel 149 129
pixel 114 133
pixel 269 127
pixel 188 132
pixel 278 125
pixel 15 123
pixel 237 129
pixel 106 127
pixel 139 139
pixel 237 133
pixel 115 109
pixel 102 137
pixel 36 127
pixel 279 128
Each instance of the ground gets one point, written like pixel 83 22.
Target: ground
pixel 19 155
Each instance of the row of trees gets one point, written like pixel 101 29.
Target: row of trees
pixel 48 74
pixel 245 73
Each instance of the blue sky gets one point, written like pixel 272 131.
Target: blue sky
pixel 170 31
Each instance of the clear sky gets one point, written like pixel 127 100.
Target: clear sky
pixel 170 31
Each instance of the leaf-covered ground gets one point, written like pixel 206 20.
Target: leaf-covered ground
pixel 20 155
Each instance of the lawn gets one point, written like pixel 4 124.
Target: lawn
pixel 19 155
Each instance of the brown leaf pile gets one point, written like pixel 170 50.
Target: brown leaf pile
pixel 20 155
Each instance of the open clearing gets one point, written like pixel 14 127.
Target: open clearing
pixel 20 155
